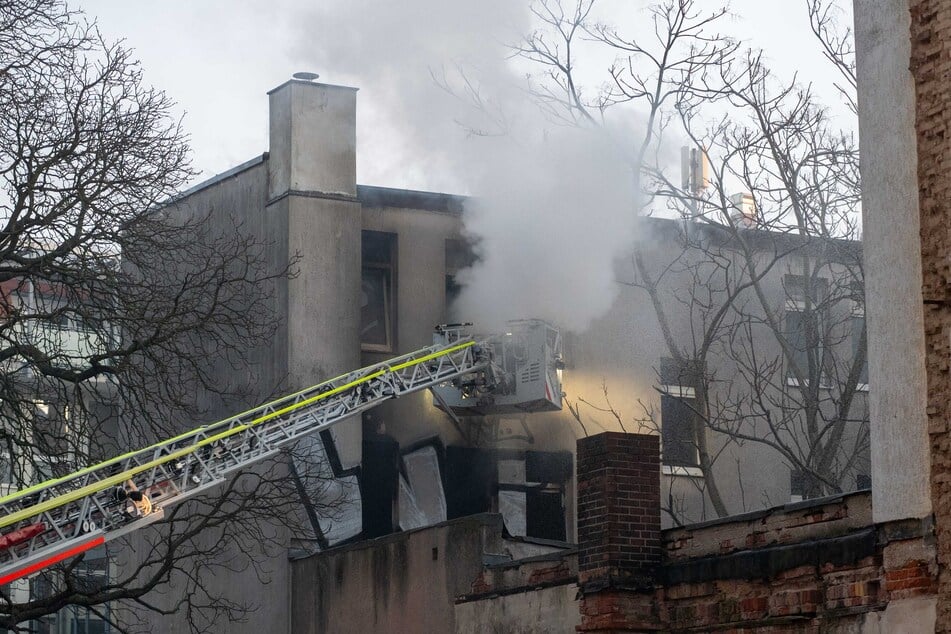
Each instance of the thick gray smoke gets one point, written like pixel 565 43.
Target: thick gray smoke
pixel 409 131
pixel 552 206
pixel 551 217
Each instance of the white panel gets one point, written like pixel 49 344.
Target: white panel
pixel 425 481
pixel 512 508
pixel 410 515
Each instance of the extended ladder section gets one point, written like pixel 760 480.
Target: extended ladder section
pixel 61 518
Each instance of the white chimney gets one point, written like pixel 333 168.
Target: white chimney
pixel 312 138
pixel 743 210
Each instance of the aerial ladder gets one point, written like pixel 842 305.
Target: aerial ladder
pixel 64 517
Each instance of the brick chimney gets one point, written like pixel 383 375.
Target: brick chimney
pixel 618 532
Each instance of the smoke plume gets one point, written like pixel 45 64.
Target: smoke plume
pixel 552 206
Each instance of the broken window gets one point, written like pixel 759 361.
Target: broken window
pixel 532 488
pixel 545 514
pixel 512 502
pixel 378 291
pixel 380 484
pixel 471 480
pixel 422 501
pixel 330 494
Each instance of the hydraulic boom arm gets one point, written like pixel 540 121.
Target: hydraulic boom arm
pixel 61 518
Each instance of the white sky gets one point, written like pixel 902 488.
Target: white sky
pixel 217 59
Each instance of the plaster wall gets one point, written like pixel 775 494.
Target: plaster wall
pixel 420 304
pixel 886 99
pixel 323 308
pixel 312 192
pixel 238 198
pixel 312 138
pixel 620 354
pixel 907 615
pixel 400 583
pixel 546 610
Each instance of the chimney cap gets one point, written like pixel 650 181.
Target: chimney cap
pixel 305 76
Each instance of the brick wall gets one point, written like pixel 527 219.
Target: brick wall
pixel 931 69
pixel 806 567
pixel 830 575
pixel 618 508
pixel 619 547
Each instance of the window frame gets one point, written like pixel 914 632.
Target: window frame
pixel 388 271
pixel 858 312
pixel 799 284
pixel 680 393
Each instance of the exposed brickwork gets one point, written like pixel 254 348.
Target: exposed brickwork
pixel 829 578
pixel 616 611
pixel 819 566
pixel 802 599
pixel 931 68
pixel 619 544
pixel 618 508
pixel 781 525
pixel 550 574
pixel 523 576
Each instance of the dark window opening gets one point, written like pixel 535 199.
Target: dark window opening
pixel 548 466
pixel 673 373
pixel 453 290
pixel 470 480
pixel 379 484
pixel 803 325
pixel 378 292
pixel 801 330
pixel 678 422
pixel 797 483
pixel 803 485
pixel 545 515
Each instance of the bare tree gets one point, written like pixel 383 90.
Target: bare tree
pixel 761 304
pixel 112 304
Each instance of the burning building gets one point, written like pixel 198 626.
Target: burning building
pixel 376 268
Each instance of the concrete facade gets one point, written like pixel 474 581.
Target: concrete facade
pixel 413 581
pixel 547 610
pixel 892 246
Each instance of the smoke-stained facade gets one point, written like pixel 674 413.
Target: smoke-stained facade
pixel 376 268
